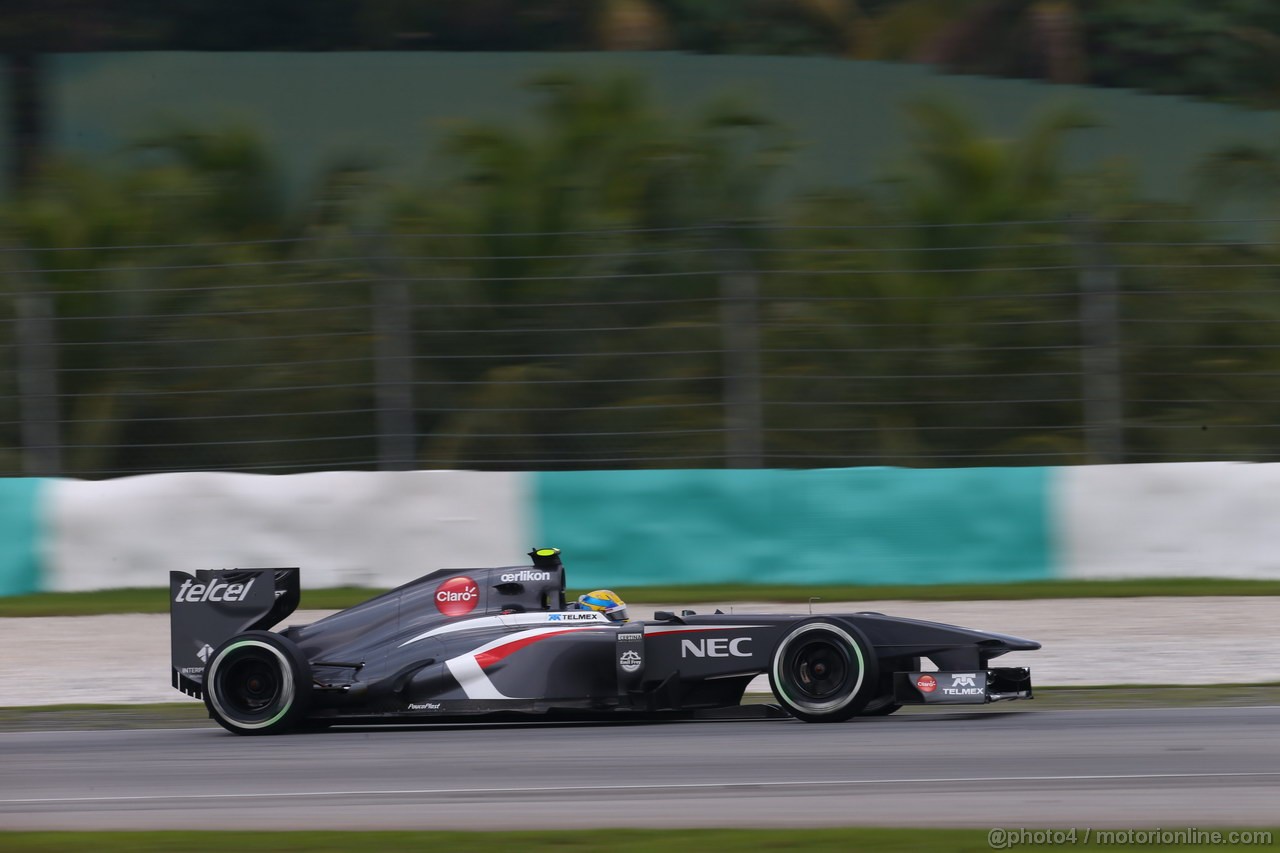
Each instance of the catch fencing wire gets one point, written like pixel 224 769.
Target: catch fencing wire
pixel 1016 343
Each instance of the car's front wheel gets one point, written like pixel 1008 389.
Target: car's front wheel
pixel 257 683
pixel 823 671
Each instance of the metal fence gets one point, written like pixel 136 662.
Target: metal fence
pixel 1011 343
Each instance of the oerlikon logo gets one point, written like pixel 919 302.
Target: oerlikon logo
pixel 457 596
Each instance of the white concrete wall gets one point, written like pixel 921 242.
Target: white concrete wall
pixel 1213 519
pixel 363 528
pixel 1201 519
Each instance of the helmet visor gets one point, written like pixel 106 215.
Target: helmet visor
pixel 616 614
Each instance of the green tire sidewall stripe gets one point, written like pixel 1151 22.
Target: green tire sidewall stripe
pixel 285 669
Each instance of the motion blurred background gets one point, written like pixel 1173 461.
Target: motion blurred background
pixel 582 234
pixel 833 301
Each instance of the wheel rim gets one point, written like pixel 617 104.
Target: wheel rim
pixel 250 684
pixel 819 668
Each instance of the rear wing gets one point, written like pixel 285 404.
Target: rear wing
pixel 214 605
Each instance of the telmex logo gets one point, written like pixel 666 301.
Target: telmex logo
pixel 718 647
pixel 216 591
pixel 457 596
pixel 526 575
pixel 572 617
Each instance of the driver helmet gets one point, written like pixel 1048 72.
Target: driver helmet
pixel 604 601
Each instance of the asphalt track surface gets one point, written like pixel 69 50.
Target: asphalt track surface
pixel 1172 768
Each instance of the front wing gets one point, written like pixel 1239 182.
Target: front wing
pixel 962 688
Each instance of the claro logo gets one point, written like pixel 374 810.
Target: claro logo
pixel 717 647
pixel 190 591
pixel 457 596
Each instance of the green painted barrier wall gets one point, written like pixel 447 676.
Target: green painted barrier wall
pixel 19 520
pixel 843 525
pixel 845 117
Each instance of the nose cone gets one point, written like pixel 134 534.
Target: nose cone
pixel 1010 643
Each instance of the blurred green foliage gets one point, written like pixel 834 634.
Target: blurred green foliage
pixel 952 339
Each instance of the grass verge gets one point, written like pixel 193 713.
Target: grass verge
pixel 190 713
pixel 157 600
pixel 613 841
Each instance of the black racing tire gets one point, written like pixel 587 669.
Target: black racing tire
pixel 257 683
pixel 823 671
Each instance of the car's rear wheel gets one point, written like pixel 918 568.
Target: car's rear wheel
pixel 257 683
pixel 823 671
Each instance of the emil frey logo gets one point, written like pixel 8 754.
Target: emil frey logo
pixel 191 591
pixel 927 683
pixel 457 596
pixel 630 661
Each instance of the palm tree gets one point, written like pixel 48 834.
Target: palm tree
pixel 611 194
pixel 940 302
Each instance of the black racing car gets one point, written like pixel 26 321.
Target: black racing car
pixel 460 643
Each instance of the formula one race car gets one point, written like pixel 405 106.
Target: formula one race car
pixel 501 642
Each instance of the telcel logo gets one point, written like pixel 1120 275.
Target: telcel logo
pixel 216 591
pixel 524 576
pixel 717 647
pixel 457 596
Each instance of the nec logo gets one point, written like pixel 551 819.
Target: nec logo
pixel 717 647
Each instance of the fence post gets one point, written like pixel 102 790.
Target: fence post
pixel 392 318
pixel 38 386
pixel 1101 379
pixel 740 330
